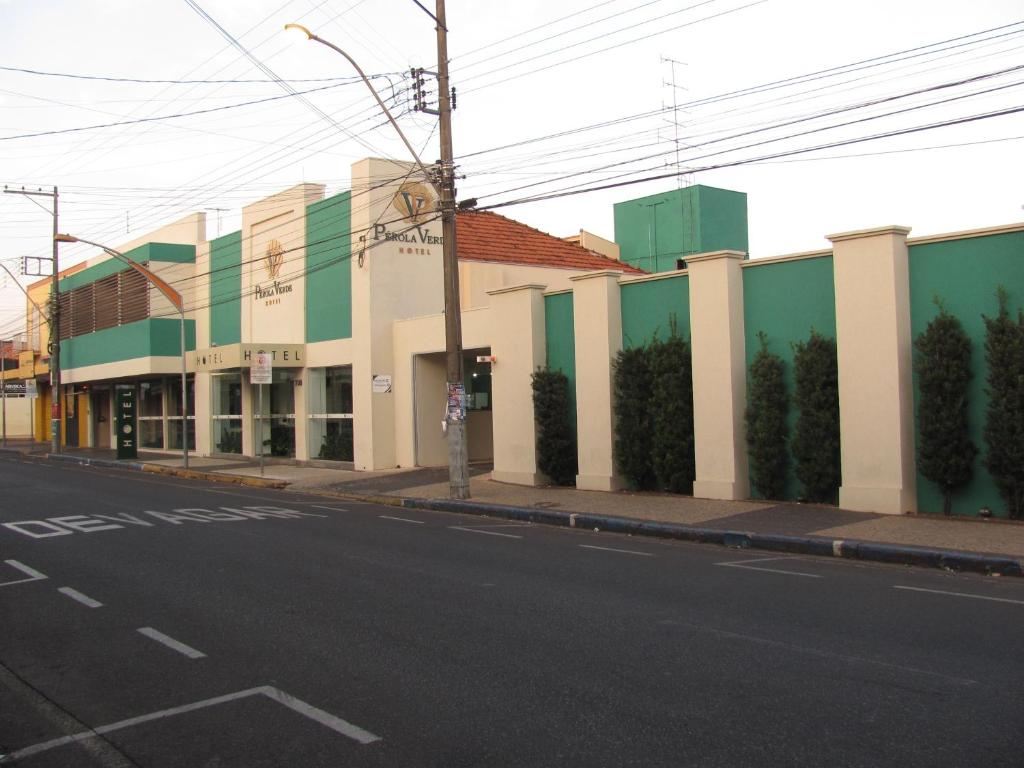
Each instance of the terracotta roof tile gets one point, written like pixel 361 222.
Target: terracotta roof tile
pixel 488 236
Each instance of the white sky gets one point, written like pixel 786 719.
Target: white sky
pixel 117 183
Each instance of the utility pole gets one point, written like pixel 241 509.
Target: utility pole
pixel 458 450
pixel 55 386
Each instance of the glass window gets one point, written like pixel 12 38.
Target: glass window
pixel 226 426
pixel 275 420
pixel 330 413
pixel 150 409
pixel 174 412
pixel 478 385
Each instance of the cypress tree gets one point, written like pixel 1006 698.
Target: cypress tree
pixel 672 440
pixel 633 422
pixel 556 439
pixel 816 441
pixel 1004 422
pixel 767 431
pixel 943 367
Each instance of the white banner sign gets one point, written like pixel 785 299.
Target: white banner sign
pixel 262 368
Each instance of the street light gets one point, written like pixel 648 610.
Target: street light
pixel 175 298
pixel 455 416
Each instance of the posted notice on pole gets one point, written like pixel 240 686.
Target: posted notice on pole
pixel 261 370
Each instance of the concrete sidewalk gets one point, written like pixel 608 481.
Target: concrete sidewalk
pixel 973 544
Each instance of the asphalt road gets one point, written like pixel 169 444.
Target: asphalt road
pixel 147 621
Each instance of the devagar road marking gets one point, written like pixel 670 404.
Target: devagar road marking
pixel 171 643
pixel 744 564
pixel 74 594
pixel 621 551
pixel 316 714
pixel 32 573
pixel 960 594
pixel 402 519
pixel 484 533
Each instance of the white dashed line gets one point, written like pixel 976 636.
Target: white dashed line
pixel 74 594
pixel 620 551
pixel 745 565
pixel 484 533
pixel 32 573
pixel 402 519
pixel 171 643
pixel 960 594
pixel 332 509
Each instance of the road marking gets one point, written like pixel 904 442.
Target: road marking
pixel 745 565
pixel 32 573
pixel 960 594
pixel 402 519
pixel 74 594
pixel 613 549
pixel 484 533
pixel 316 714
pixel 171 643
pixel 332 509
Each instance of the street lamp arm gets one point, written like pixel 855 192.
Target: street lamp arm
pixel 369 85
pixel 161 285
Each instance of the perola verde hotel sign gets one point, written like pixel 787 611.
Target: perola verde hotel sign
pixel 272 262
pixel 416 205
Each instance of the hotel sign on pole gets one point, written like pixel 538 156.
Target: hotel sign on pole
pixel 262 369
pixel 127 445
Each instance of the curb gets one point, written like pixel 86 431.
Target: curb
pixel 953 560
pixel 159 469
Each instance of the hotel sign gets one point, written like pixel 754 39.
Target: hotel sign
pixel 244 355
pixel 415 205
pixel 272 261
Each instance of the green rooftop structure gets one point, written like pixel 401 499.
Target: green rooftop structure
pixel 656 233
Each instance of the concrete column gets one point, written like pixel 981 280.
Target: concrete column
pixel 597 322
pixel 876 398
pixel 519 347
pixel 719 374
pixel 302 415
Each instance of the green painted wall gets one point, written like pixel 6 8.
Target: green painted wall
pixel 144 254
pixel 226 289
pixel 328 268
pixel 654 231
pixel 648 309
pixel 154 337
pixel 560 340
pixel 964 274
pixel 786 300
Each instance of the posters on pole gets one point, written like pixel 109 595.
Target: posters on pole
pixel 262 368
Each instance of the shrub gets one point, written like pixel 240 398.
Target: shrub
pixel 767 431
pixel 633 423
pixel 943 366
pixel 1004 420
pixel 672 442
pixel 556 438
pixel 816 441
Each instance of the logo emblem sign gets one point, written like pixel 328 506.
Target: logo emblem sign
pixel 414 201
pixel 274 259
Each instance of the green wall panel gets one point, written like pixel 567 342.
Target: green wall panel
pixel 654 231
pixel 649 307
pixel 226 289
pixel 144 254
pixel 329 269
pixel 785 300
pixel 155 337
pixel 964 274
pixel 560 340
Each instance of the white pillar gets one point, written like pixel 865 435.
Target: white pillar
pixel 597 323
pixel 876 397
pixel 519 348
pixel 719 374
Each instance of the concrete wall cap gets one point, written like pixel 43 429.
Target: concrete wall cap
pixel 788 257
pixel 889 229
pixel 600 273
pixel 967 233
pixel 714 256
pixel 514 288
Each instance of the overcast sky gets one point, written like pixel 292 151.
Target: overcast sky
pixel 553 97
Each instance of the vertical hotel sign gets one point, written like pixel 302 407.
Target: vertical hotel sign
pixel 127 444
